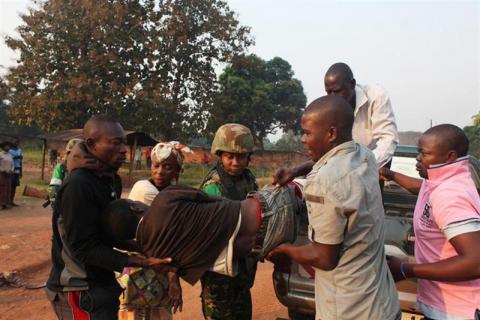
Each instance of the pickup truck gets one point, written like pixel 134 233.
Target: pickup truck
pixel 294 283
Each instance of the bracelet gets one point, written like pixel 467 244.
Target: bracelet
pixel 402 270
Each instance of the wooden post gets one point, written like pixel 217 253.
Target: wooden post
pixel 44 151
pixel 132 153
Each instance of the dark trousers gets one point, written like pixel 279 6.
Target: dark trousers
pixel 15 184
pixel 94 304
pixel 225 298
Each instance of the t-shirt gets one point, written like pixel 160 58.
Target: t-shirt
pixel 17 158
pixel 344 205
pixel 143 191
pixel 447 196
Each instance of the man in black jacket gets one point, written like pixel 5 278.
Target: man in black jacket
pixel 82 284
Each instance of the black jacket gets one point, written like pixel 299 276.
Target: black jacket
pixel 80 257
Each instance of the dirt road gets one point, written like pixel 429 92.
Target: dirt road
pixel 25 248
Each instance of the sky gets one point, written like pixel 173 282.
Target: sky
pixel 426 54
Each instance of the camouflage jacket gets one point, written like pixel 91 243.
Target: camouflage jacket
pixel 219 183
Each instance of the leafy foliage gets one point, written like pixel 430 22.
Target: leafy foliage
pixel 289 142
pixel 262 95
pixel 476 120
pixel 151 65
pixel 473 135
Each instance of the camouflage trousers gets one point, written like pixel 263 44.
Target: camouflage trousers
pixel 227 298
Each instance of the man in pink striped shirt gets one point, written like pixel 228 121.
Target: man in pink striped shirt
pixel 447 227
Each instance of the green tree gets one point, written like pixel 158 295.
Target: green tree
pixel 473 135
pixel 4 121
pixel 262 95
pixel 476 120
pixel 149 64
pixel 289 142
pixel 194 36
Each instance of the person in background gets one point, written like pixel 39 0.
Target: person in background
pixel 52 157
pixel 374 125
pixel 138 158
pixel 60 172
pixel 225 297
pixel 147 154
pixel 17 155
pixel 374 121
pixel 6 172
pixel 446 221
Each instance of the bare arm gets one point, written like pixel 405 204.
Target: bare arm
pixel 464 266
pixel 175 292
pixel 413 185
pixel 318 255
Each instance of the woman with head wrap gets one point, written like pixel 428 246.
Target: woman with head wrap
pixel 166 166
pixel 167 163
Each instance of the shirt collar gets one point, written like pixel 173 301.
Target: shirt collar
pixel 360 98
pixel 343 148
pixel 440 172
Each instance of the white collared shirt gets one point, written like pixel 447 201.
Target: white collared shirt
pixel 374 125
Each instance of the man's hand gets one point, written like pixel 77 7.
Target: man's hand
pixel 283 175
pixel 394 266
pixel 175 292
pixel 157 264
pixel 277 255
pixel 386 174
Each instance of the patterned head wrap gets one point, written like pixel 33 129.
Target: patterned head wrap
pixel 163 150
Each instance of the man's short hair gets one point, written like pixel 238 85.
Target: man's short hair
pixel 93 126
pixel 338 111
pixel 340 69
pixel 452 137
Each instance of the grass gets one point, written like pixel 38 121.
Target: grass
pixel 34 157
pixel 192 174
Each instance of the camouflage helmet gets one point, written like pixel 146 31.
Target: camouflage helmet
pixel 234 138
pixel 71 143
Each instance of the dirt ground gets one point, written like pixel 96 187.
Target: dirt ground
pixel 25 248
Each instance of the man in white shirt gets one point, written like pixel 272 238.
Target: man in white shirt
pixel 374 125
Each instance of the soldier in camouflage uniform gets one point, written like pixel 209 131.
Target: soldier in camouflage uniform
pixel 60 172
pixel 225 297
